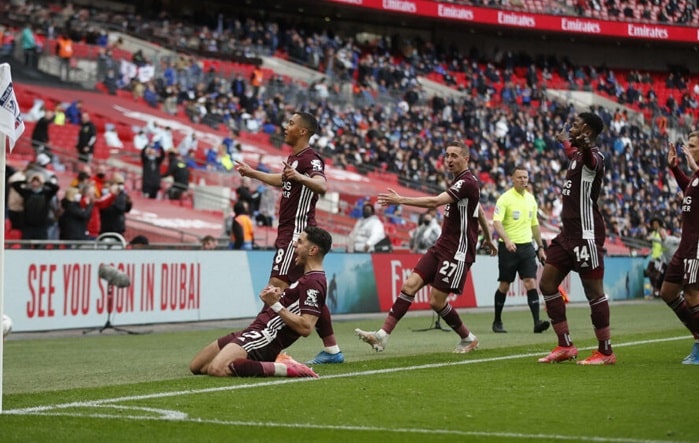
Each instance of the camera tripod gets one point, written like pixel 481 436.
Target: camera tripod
pixel 108 324
pixel 436 327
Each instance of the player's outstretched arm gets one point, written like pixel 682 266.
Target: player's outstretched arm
pixel 271 179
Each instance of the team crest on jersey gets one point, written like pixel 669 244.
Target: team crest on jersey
pixel 456 187
pixel 294 164
pixel 695 182
pixel 316 165
pixel 573 164
pixel 312 298
pixel 293 285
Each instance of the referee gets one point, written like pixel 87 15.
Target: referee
pixel 515 220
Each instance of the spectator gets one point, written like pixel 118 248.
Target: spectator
pixel 74 217
pixel 59 118
pixel 188 143
pixel 40 134
pixel 426 233
pixel 209 242
pixel 87 137
pixel 73 112
pixel 28 42
pixel 90 198
pixel 36 194
pixel 111 137
pixel 111 81
pixel 245 194
pixel 151 161
pixel 139 242
pixel 242 234
pixel 266 207
pixel 367 231
pixel 179 171
pixel 15 201
pixel 113 217
pixel 140 140
pixel 64 50
pixel 100 179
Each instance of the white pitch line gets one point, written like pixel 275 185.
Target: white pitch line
pixel 300 426
pixel 172 415
pixel 92 403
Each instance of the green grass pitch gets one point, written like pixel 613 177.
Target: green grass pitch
pixel 113 387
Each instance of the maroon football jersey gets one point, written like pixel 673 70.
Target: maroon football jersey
pixel 298 203
pixel 580 214
pixel 460 225
pixel 305 296
pixel 689 241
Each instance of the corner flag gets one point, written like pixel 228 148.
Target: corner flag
pixel 11 128
pixel 11 124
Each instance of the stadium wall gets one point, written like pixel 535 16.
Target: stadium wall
pixel 52 290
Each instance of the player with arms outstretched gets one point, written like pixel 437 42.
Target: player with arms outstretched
pixel 446 264
pixel 302 180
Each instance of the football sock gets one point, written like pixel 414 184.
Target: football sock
pixel 243 367
pixel 556 308
pixel 398 310
pixel 332 349
pixel 451 317
pixel 695 321
pixel 324 327
pixel 533 302
pixel 684 313
pixel 499 304
pixel 599 308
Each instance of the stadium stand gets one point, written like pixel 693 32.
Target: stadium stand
pixel 384 169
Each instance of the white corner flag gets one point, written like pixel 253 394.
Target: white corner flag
pixel 11 124
pixel 11 128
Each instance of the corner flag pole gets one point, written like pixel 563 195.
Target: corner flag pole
pixel 11 127
pixel 3 140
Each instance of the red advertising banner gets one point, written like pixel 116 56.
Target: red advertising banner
pixel 531 21
pixel 391 270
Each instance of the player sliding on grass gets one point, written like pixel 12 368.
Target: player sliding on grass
pixel 580 244
pixel 287 315
pixel 445 265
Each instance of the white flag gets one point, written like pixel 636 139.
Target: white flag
pixel 11 124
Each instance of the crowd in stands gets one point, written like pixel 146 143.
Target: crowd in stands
pixel 681 12
pixel 91 205
pixel 397 129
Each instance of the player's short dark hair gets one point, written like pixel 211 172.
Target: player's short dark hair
pixel 319 237
pixel 308 121
pixel 460 144
pixel 593 121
